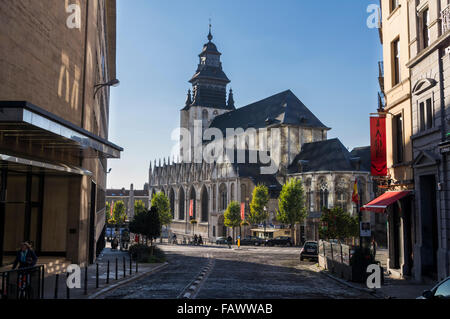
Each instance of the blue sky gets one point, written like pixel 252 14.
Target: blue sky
pixel 322 50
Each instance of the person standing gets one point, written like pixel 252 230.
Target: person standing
pixel 229 241
pixel 25 258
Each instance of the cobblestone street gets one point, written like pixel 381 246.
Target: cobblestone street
pixel 246 273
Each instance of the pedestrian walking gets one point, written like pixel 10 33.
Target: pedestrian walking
pixel 229 241
pixel 195 239
pixel 200 240
pixel 114 243
pixel 25 257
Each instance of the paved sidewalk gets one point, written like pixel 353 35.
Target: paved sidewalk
pixel 391 289
pixel 92 291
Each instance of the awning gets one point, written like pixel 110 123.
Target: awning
pixel 23 121
pixel 24 165
pixel 380 204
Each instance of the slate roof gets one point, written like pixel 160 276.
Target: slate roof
pixel 281 108
pixel 364 154
pixel 328 155
pixel 253 172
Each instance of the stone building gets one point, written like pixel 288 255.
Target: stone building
pixel 54 110
pixel 398 185
pixel 129 197
pixel 226 151
pixel 429 48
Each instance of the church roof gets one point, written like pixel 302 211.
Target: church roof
pixel 329 155
pixel 281 108
pixel 210 73
pixel 364 154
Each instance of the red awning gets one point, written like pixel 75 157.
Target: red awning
pixel 380 204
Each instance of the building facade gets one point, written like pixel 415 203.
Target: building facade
pixel 395 86
pixel 429 26
pixel 267 134
pixel 129 197
pixel 54 125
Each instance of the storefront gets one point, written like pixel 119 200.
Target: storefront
pixel 400 228
pixel 51 190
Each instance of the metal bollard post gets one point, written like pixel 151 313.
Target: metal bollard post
pixel 117 269
pixel 107 274
pixel 56 286
pixel 96 276
pixel 85 280
pixel 131 266
pixel 124 268
pixel 67 287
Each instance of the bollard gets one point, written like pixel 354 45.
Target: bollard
pixel 131 266
pixel 124 268
pixel 56 286
pixel 85 280
pixel 117 269
pixel 107 274
pixel 96 276
pixel 67 287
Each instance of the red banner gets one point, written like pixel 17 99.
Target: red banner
pixel 243 211
pixel 191 208
pixel 378 146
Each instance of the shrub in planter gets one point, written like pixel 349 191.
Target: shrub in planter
pixel 146 254
pixel 360 260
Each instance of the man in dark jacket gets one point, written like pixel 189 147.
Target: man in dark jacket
pixel 25 257
pixel 229 241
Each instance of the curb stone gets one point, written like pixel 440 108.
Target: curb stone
pixel 127 281
pixel 373 292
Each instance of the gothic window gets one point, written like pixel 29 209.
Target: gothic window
pixel 323 195
pixel 222 197
pixel 232 192
pixel 214 197
pixel 205 118
pixel 342 199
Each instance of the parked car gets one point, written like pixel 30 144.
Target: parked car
pixel 310 250
pixel 251 241
pixel 279 241
pixel 221 241
pixel 440 291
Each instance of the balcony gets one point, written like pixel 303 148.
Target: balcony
pixel 445 16
pixel 381 75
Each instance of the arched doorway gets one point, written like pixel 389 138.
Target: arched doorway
pixel 205 205
pixel 192 197
pixel 181 201
pixel 222 230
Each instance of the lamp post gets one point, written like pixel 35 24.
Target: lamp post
pixel 265 212
pixel 113 83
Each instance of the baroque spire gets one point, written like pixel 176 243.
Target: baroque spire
pixel 231 100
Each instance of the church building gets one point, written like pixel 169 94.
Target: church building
pixel 293 140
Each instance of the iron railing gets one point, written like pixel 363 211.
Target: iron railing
pixel 445 17
pixel 24 283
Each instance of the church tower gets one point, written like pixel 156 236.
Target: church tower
pixel 208 97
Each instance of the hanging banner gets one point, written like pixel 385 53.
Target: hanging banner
pixel 191 208
pixel 378 146
pixel 242 211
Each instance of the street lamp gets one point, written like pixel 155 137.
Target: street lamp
pixel 113 83
pixel 265 212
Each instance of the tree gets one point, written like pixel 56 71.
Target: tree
pixel 232 216
pixel 109 217
pixel 139 207
pixel 162 203
pixel 147 224
pixel 291 204
pixel 119 214
pixel 260 199
pixel 338 224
